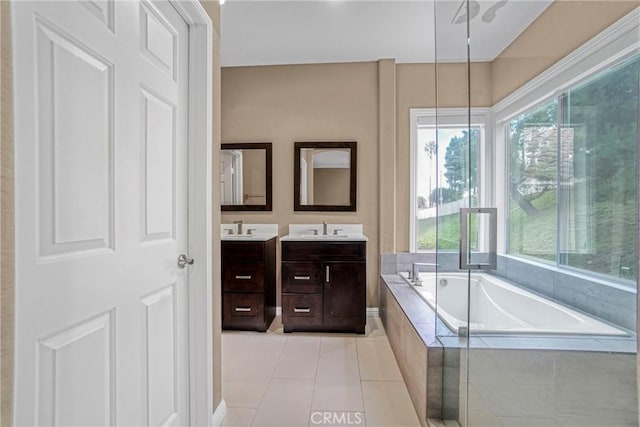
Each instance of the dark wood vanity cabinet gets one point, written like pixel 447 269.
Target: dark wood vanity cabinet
pixel 248 284
pixel 324 286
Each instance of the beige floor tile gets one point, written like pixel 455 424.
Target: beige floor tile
pixel 234 342
pixel 277 379
pixel 285 403
pixel 338 370
pixel 387 403
pixel 296 367
pixel 302 346
pixel 267 344
pixel 377 362
pixel 250 366
pixel 338 347
pixel 243 393
pixel 239 417
pixel 337 397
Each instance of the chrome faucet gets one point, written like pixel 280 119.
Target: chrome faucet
pixel 324 228
pixel 239 226
pixel 416 269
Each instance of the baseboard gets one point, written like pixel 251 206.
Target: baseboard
pixel 279 310
pixel 218 415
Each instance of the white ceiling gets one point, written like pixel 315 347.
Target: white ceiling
pixel 265 32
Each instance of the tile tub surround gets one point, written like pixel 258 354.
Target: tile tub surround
pixel 611 302
pixel 550 388
pixel 416 349
pixel 608 301
pixel 402 310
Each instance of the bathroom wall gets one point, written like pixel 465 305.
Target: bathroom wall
pixel 347 101
pixel 560 29
pixel 327 102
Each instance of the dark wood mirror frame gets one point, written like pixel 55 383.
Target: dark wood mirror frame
pixel 351 207
pixel 268 175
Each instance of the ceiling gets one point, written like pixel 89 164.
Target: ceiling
pixel 265 32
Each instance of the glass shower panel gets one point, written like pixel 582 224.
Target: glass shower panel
pixel 551 332
pixel 457 187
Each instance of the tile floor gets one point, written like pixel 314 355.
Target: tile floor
pixel 313 379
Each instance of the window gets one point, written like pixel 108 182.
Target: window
pixel 573 176
pixel 446 174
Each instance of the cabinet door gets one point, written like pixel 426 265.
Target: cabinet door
pixel 345 294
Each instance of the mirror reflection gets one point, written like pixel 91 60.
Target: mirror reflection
pixel 245 176
pixel 325 176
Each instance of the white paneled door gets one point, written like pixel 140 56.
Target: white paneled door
pixel 101 96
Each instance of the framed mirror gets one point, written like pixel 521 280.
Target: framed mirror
pixel 324 176
pixel 246 176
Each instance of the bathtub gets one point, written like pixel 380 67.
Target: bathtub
pixel 498 307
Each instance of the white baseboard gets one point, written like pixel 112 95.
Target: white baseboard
pixel 279 310
pixel 218 415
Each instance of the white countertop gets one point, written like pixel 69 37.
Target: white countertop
pixel 345 233
pixel 259 233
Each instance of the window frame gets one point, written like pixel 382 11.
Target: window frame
pixel 615 45
pixel 448 117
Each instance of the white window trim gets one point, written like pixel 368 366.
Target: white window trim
pixel 451 116
pixel 613 45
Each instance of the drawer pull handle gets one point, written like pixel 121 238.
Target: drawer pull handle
pixel 301 277
pixel 243 309
pixel 243 277
pixel 327 270
pixel 302 310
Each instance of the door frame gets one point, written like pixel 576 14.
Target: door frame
pixel 199 222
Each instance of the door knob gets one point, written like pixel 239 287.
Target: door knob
pixel 183 261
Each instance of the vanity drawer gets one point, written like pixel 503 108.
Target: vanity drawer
pixel 243 276
pixel 243 251
pixel 302 309
pixel 302 277
pixel 242 309
pixel 335 251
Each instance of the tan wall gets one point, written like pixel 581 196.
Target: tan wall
pixel 328 102
pixel 560 29
pixel 331 186
pixel 6 220
pixel 416 88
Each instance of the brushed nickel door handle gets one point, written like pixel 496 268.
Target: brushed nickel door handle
pixel 183 261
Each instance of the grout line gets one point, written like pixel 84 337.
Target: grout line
pixel 270 379
pixel 364 408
